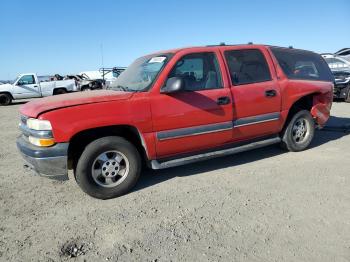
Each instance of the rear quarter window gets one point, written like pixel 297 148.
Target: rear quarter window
pixel 303 65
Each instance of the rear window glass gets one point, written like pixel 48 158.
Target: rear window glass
pixel 304 65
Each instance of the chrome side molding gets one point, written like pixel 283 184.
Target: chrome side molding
pixel 252 120
pixel 155 164
pixel 193 131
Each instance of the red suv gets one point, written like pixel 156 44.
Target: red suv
pixel 177 107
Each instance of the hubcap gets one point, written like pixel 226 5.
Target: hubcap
pixel 300 130
pixel 110 169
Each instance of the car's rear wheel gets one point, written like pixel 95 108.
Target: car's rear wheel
pixel 87 88
pixel 299 132
pixel 5 99
pixel 108 167
pixel 60 91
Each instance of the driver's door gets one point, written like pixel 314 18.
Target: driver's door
pixel 198 117
pixel 26 86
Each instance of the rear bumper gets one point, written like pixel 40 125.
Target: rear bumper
pixel 46 161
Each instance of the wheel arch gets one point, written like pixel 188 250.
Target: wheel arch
pixel 54 91
pixel 306 102
pixel 79 141
pixel 7 93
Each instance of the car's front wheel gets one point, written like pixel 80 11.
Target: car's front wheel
pixel 299 132
pixel 5 99
pixel 108 167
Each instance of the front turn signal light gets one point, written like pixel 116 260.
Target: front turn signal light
pixel 42 142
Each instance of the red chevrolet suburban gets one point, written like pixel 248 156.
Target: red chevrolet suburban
pixel 177 107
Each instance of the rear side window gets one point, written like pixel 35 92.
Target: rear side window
pixel 303 65
pixel 247 66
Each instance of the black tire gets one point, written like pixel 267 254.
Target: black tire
pixel 89 159
pixel 291 133
pixel 60 91
pixel 5 99
pixel 86 89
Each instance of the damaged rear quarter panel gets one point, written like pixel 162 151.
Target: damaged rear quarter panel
pixel 322 92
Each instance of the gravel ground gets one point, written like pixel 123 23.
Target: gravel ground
pixel 264 205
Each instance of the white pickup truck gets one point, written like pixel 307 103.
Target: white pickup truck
pixel 30 85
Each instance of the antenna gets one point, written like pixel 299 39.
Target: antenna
pixel 103 73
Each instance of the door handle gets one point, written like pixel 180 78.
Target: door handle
pixel 270 93
pixel 224 100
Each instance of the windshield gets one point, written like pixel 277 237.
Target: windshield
pixel 140 75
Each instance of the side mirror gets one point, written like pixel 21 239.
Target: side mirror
pixel 19 83
pixel 173 85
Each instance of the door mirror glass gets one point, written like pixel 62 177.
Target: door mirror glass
pixel 173 85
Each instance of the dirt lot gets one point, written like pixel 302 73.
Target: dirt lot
pixel 265 205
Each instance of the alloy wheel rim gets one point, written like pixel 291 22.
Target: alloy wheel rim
pixel 110 169
pixel 300 130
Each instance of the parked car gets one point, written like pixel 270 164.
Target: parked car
pixel 30 86
pixel 336 63
pixel 177 107
pixel 342 85
pixel 341 71
pixel 85 83
pixel 344 53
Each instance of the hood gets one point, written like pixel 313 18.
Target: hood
pixel 5 87
pixel 38 106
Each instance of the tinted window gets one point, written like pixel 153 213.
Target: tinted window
pixel 247 66
pixel 199 71
pixel 300 64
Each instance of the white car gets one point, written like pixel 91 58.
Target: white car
pixel 336 63
pixel 30 85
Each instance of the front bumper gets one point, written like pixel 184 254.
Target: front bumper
pixel 46 161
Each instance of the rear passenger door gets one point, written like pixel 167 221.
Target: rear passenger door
pixel 255 92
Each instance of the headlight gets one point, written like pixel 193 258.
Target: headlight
pixel 41 141
pixel 37 124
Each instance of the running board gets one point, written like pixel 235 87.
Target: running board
pixel 155 164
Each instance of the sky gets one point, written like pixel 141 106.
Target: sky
pixel 65 37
